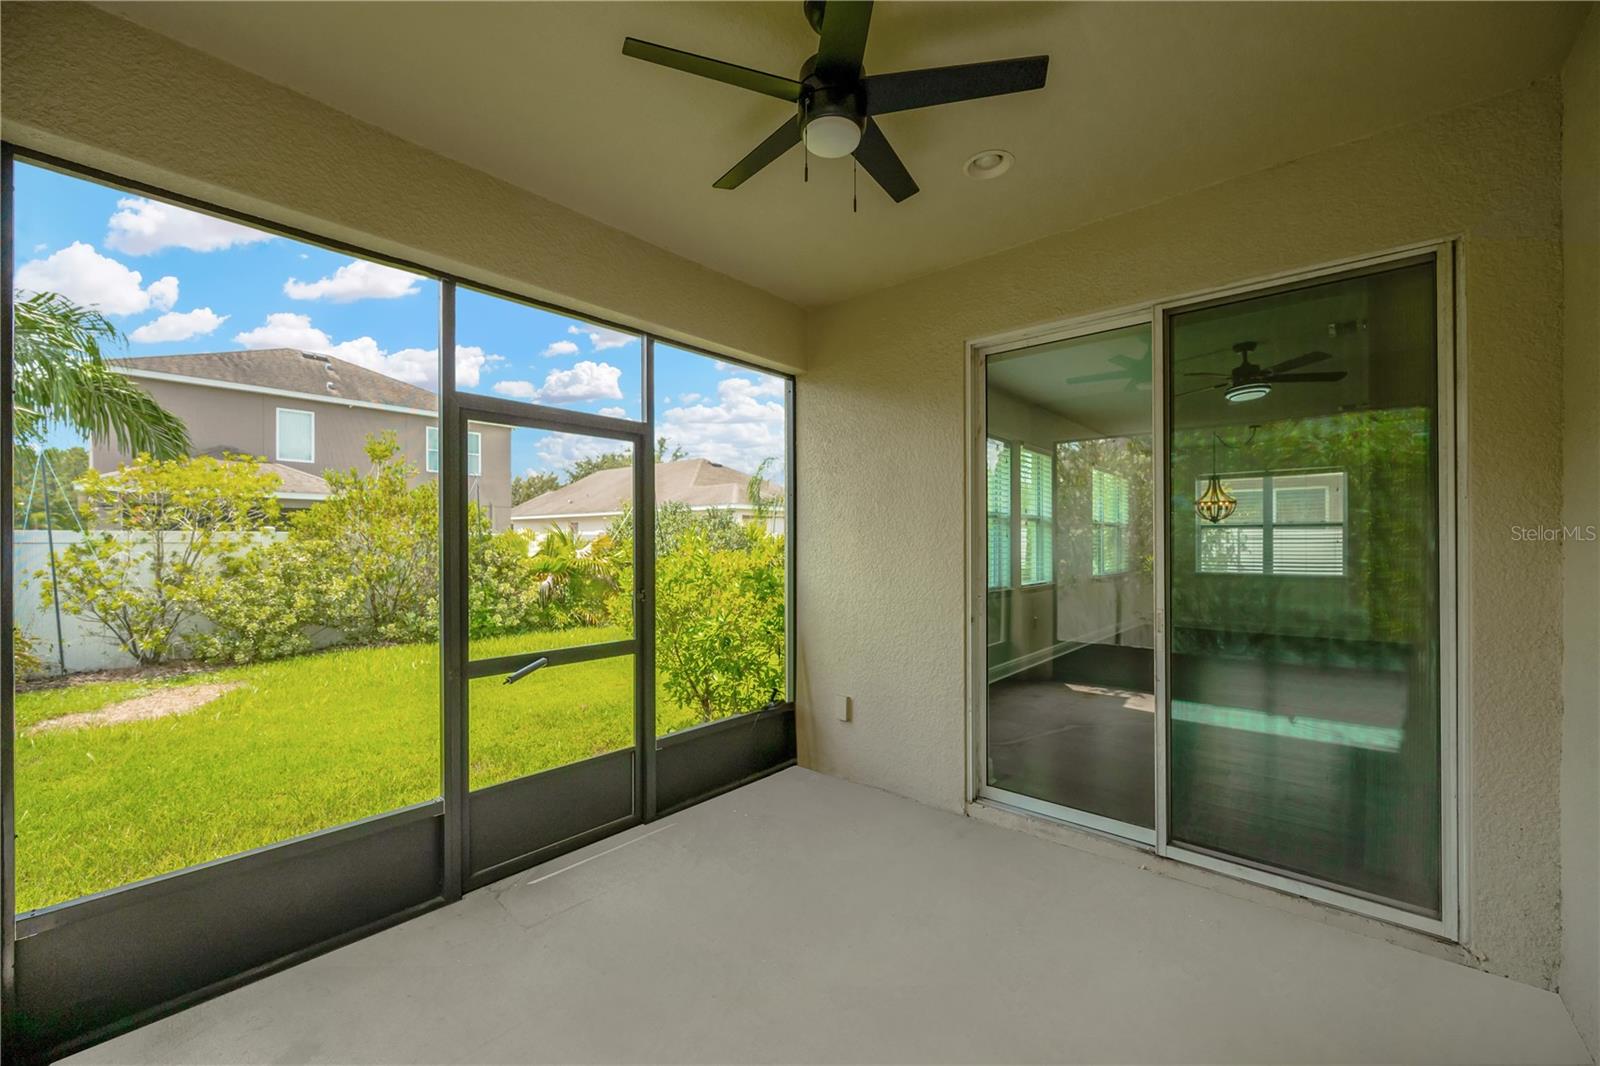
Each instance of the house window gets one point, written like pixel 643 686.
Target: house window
pixel 296 436
pixel 474 452
pixel 999 464
pixel 1109 520
pixel 1036 489
pixel 1287 525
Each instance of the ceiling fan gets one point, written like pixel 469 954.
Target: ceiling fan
pixel 837 101
pixel 1133 372
pixel 1248 381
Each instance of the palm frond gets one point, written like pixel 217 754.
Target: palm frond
pixel 60 374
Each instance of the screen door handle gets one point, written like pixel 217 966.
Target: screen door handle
pixel 525 671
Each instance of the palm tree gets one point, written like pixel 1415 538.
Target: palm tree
pixel 574 577
pixel 61 376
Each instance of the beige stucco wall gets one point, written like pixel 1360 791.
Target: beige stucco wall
pixel 1580 750
pixel 885 380
pixel 158 112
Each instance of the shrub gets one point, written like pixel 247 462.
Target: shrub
pixel 372 550
pixel 264 607
pixel 719 622
pixel 175 523
pixel 502 587
pixel 25 659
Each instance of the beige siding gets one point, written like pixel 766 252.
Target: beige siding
pixel 246 423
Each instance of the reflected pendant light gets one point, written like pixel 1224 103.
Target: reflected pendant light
pixel 1214 504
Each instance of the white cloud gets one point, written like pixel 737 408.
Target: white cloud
pixel 585 381
pixel 601 338
pixel 560 348
pixel 41 246
pixel 614 412
pixel 142 226
pixel 690 397
pixel 470 362
pixel 517 390
pixel 86 277
pixel 744 426
pixel 164 293
pixel 417 366
pixel 356 280
pixel 558 451
pixel 178 326
pixel 285 329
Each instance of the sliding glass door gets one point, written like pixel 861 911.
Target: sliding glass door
pixel 1070 639
pixel 1304 583
pixel 1255 673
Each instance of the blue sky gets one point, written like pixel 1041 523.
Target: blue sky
pixel 175 281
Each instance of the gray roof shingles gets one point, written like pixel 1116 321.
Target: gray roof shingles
pixel 291 370
pixel 695 482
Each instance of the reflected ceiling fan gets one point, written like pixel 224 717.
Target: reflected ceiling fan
pixel 1134 372
pixel 837 101
pixel 1248 381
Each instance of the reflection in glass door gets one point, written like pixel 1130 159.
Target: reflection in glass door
pixel 552 726
pixel 1304 584
pixel 1070 715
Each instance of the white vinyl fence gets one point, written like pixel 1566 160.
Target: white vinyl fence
pixel 86 643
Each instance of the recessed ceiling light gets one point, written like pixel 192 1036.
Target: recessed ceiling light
pixel 989 163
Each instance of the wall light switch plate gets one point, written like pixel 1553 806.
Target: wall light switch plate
pixel 843 708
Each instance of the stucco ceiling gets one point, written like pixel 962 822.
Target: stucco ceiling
pixel 1145 101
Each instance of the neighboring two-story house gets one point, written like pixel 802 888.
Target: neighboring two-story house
pixel 303 413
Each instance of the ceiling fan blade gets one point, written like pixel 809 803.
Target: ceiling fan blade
pixel 1204 374
pixel 910 89
pixel 1326 375
pixel 878 159
pixel 1114 375
pixel 844 38
pixel 728 73
pixel 1299 361
pixel 1204 388
pixel 778 142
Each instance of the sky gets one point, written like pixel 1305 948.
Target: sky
pixel 176 281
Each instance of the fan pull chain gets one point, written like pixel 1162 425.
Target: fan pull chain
pixel 853 169
pixel 805 167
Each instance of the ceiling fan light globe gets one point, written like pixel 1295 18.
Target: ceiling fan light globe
pixel 832 136
pixel 1247 393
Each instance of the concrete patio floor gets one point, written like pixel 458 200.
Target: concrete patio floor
pixel 806 919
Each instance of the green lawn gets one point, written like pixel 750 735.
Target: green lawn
pixel 303 745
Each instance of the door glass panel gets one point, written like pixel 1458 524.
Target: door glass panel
pixel 1305 641
pixel 549 555
pixel 273 669
pixel 1070 638
pixel 554 716
pixel 720 473
pixel 522 352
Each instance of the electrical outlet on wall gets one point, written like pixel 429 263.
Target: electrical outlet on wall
pixel 842 707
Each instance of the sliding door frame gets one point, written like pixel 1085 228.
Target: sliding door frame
pixel 979 354
pixel 1454 734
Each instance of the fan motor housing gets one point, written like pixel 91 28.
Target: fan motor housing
pixel 818 99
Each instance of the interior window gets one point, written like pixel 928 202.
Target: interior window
pixel 1036 481
pixel 999 491
pixel 1109 506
